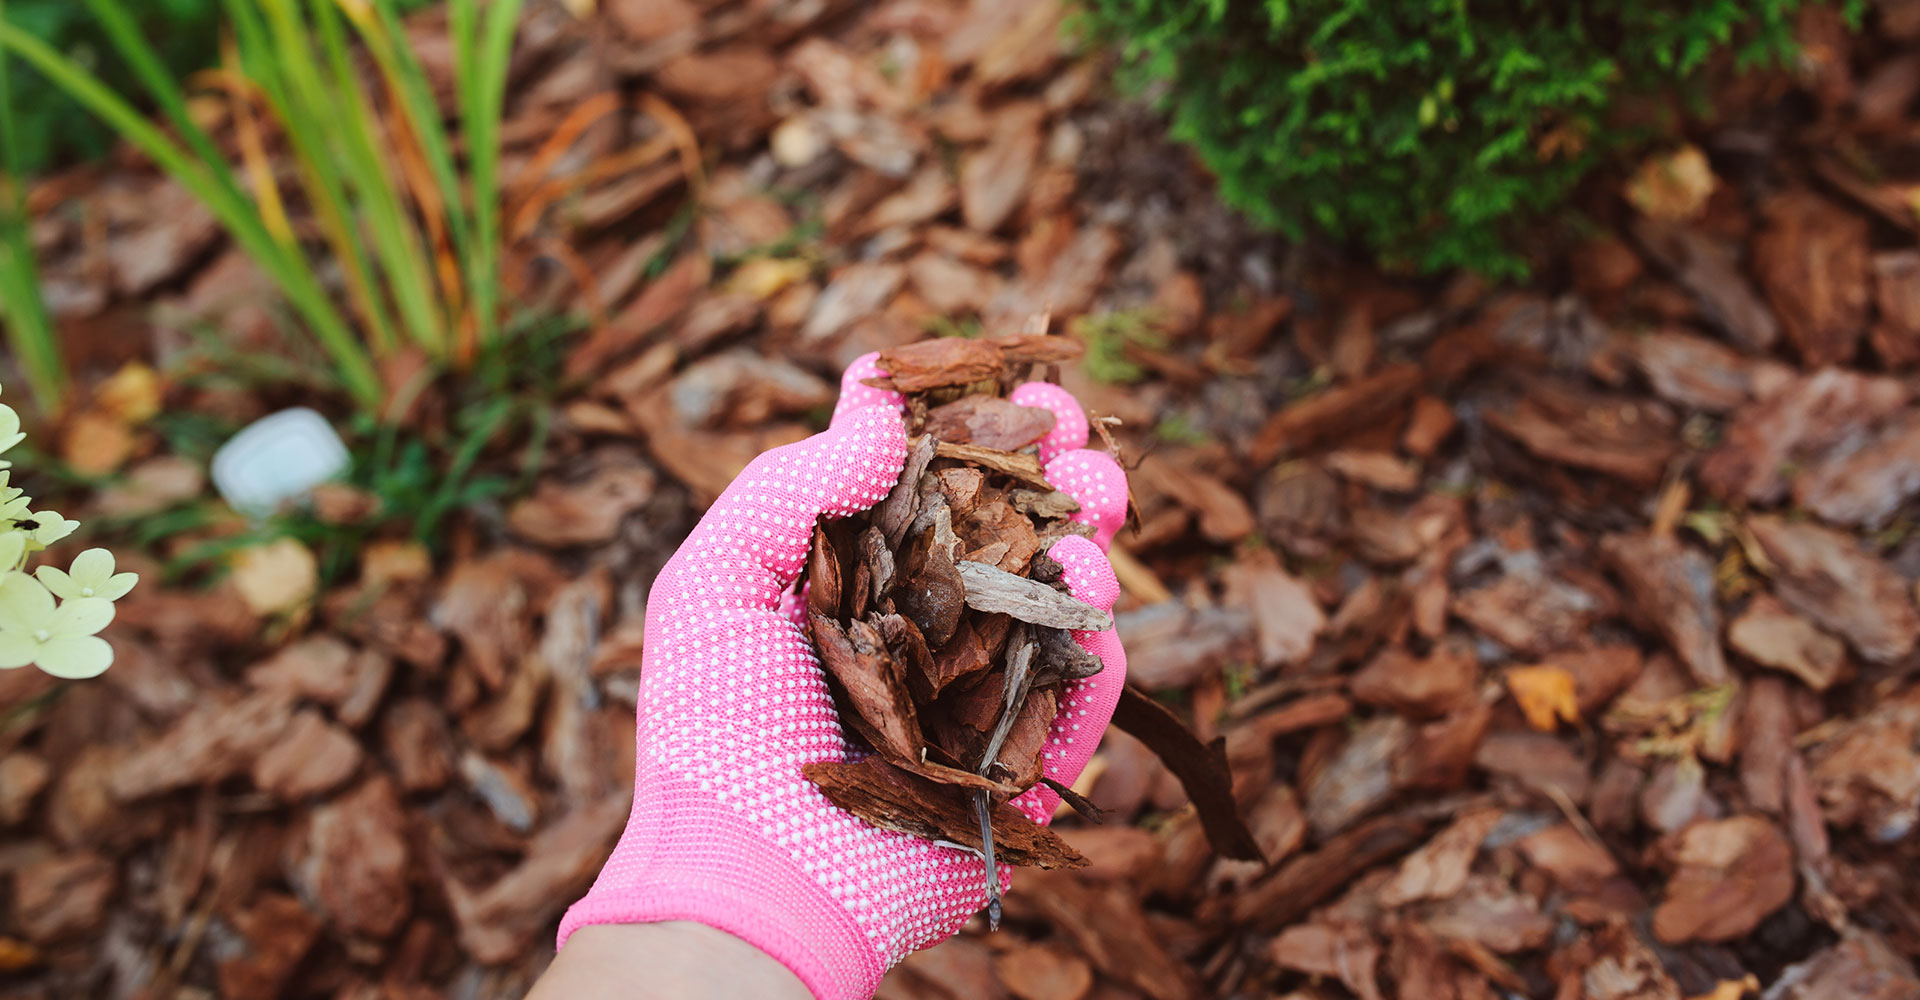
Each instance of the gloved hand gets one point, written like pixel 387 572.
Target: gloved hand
pixel 725 830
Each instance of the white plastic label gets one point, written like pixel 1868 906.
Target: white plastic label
pixel 278 458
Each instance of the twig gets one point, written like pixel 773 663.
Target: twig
pixel 984 808
pixel 1019 681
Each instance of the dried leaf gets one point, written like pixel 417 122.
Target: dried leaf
pixel 1673 185
pixel 1546 695
pixel 276 577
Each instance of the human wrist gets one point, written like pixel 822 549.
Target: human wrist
pixel 680 959
pixel 688 858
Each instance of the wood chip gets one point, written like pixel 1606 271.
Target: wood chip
pixel 892 799
pixel 1732 874
pixel 1023 467
pixel 990 422
pixel 992 589
pixel 1770 635
pixel 1827 577
pixel 1201 769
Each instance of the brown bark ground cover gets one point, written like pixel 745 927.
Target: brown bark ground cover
pixel 1562 637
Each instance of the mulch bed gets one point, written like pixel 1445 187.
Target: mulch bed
pixel 1562 637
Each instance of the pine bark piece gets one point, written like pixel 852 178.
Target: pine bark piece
pixel 1732 874
pixel 1306 880
pixel 893 799
pixel 1046 505
pixel 1026 738
pixel 932 590
pixel 823 575
pixel 1770 635
pixel 990 422
pixel 996 534
pixel 351 856
pixel 1201 768
pixel 938 364
pixel 856 657
pixel 1826 576
pixel 893 514
pixel 1672 586
pixel 1019 465
pixel 1708 272
pixel 1865 482
pixel 878 560
pixel 990 588
pixel 1811 259
pixel 964 656
pixel 1062 659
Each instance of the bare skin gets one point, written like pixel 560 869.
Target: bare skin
pixel 677 959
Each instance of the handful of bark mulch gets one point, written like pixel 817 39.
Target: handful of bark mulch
pixel 945 629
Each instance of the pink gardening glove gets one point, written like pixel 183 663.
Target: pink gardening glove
pixel 725 830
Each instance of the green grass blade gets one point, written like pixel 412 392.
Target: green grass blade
pixel 325 191
pixel 409 80
pixel 486 96
pixel 146 64
pixel 275 49
pixel 402 253
pixel 235 212
pixel 29 328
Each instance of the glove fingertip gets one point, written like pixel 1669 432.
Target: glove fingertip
pixel 1070 426
pixel 856 394
pixel 1098 484
pixel 1088 574
pixel 874 442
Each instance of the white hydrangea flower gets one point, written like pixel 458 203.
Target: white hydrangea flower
pixel 13 548
pixel 59 639
pixel 92 575
pixel 10 433
pixel 47 527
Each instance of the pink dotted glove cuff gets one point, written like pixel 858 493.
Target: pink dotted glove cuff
pixel 725 830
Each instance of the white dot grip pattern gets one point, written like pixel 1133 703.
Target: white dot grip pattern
pixel 725 830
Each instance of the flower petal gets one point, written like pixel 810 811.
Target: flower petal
pixel 75 657
pixel 92 568
pixel 24 603
pixel 13 545
pixel 81 616
pixel 17 649
pixel 57 582
pixel 116 586
pixel 52 527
